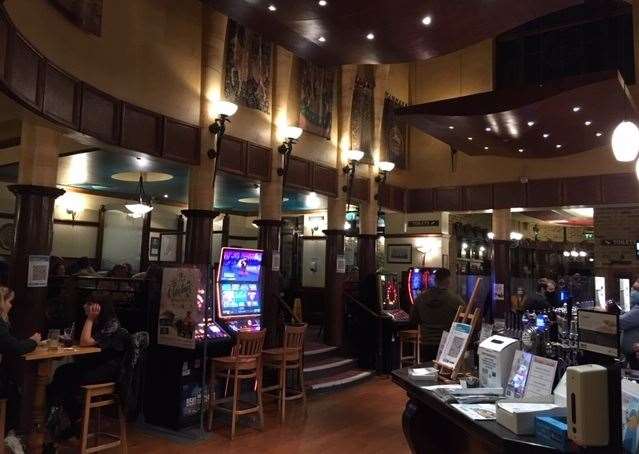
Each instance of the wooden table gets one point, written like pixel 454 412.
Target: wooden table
pixel 44 358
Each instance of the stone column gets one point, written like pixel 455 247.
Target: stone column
pixel 35 194
pixel 200 214
pixel 270 221
pixel 500 272
pixel 336 215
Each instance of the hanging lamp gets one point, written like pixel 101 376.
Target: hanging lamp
pixel 143 206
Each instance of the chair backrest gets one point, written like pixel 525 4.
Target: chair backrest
pixel 250 343
pixel 294 337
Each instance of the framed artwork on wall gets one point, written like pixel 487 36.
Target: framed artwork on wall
pixel 399 253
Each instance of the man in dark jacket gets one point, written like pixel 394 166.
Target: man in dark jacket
pixel 434 312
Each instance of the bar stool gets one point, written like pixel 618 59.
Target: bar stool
pixel 96 397
pixel 3 417
pixel 245 363
pixel 413 337
pixel 287 358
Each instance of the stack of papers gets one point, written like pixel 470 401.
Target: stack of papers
pixel 477 412
pixel 423 374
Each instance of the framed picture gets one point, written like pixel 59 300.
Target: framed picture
pixel 399 253
pixel 154 248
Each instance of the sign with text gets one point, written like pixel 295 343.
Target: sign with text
pixel 38 273
pixel 423 223
pixel 179 311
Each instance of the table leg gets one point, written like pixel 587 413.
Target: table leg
pixel 35 439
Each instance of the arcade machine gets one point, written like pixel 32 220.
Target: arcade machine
pixel 173 388
pixel 239 295
pixel 396 319
pixel 414 282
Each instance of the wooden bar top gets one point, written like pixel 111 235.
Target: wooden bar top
pixel 43 352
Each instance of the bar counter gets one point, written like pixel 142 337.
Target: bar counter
pixel 433 426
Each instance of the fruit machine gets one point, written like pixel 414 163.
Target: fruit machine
pixel 395 319
pixel 414 282
pixel 238 287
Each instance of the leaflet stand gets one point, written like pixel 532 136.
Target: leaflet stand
pixel 468 314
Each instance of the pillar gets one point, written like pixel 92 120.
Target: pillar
pixel 199 216
pixel 336 216
pixel 35 198
pixel 270 221
pixel 500 272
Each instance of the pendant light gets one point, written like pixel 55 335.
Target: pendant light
pixel 144 202
pixel 625 141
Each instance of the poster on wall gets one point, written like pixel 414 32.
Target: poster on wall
pixel 316 98
pixel 168 248
pixel 248 68
pixel 38 273
pixel 362 112
pixel 340 264
pixel 179 311
pixel 394 133
pixel 498 292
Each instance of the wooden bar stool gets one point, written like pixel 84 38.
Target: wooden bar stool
pixel 3 418
pixel 96 397
pixel 410 336
pixel 245 363
pixel 288 357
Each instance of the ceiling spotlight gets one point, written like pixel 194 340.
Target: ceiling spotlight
pixel 485 148
pixel 625 141
pixel 521 150
pixel 321 39
pixel 545 135
pixel 322 3
pixel 488 129
pixel 166 196
pixel 470 138
pixel 599 134
pixel 370 36
pixel 558 146
pixel 588 123
pixel 576 109
pixel 451 127
pixel 531 123
pixel 427 20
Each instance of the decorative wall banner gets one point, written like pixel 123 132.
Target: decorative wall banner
pixel 362 113
pixel 248 68
pixel 317 85
pixel 86 14
pixel 179 313
pixel 394 133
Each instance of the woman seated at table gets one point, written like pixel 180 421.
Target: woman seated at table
pixel 11 346
pixel 101 329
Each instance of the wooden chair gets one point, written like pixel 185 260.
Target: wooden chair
pixel 288 357
pixel 3 417
pixel 245 363
pixel 412 337
pixel 96 397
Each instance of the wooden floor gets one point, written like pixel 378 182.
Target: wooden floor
pixel 362 419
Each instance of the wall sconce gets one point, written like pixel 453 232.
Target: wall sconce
pixel 224 110
pixel 72 204
pixel 292 134
pixel 383 168
pixel 352 158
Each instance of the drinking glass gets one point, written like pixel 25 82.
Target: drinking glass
pixel 54 339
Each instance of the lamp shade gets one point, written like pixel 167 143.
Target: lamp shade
pixel 625 141
pixel 354 155
pixel 516 236
pixel 385 166
pixel 292 132
pixel 138 208
pixel 225 108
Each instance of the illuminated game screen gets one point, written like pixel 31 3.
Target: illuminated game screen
pixel 388 291
pixel 239 293
pixel 420 279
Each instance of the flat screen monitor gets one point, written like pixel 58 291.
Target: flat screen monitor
pixel 239 292
pixel 420 279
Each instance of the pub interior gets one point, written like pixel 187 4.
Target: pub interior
pixel 319 226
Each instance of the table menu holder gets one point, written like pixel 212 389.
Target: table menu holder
pixel 468 314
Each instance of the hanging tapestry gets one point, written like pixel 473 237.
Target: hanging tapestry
pixel 362 113
pixel 316 98
pixel 86 14
pixel 248 68
pixel 394 133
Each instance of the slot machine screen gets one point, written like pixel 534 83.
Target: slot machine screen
pixel 388 291
pixel 239 293
pixel 420 279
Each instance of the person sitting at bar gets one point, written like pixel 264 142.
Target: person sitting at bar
pixel 434 311
pixel 101 329
pixel 629 325
pixel 538 300
pixel 84 268
pixel 11 346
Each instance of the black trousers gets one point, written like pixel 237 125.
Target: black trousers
pixel 10 391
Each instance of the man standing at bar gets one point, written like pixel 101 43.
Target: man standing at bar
pixel 434 312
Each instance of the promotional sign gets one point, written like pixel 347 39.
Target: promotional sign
pixel 179 312
pixel 38 273
pixel 340 264
pixel 598 332
pixel 455 345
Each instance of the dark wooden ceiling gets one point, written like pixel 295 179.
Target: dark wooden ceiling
pixel 397 24
pixel 499 119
